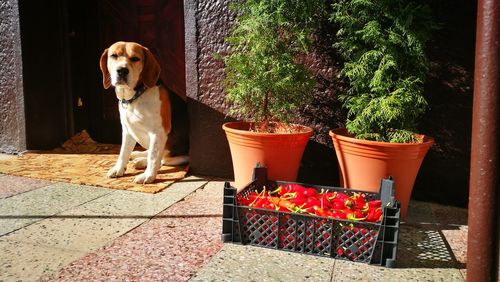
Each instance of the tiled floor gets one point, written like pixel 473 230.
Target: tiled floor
pixel 174 244
pixel 64 232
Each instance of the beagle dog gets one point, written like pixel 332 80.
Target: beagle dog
pixel 145 111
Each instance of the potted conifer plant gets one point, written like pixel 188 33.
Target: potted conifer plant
pixel 265 85
pixel 382 43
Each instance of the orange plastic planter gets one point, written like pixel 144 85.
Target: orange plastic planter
pixel 281 153
pixel 364 163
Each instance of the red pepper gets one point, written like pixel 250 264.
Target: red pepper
pixel 258 203
pixel 291 188
pixel 282 190
pixel 267 205
pixel 260 199
pixel 281 203
pixel 309 192
pixel 319 211
pixel 374 215
pixel 358 200
pixel 243 201
pixel 352 216
pixel 375 204
pixel 337 214
pixel 371 215
pixel 249 198
pixel 325 202
pixel 338 205
pixel 342 198
pixel 359 214
pixel 378 215
pixel 329 195
pixel 298 201
pixel 312 201
pixel 291 191
pixel 285 204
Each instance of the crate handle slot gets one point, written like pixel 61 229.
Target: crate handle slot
pixel 387 194
pixel 260 176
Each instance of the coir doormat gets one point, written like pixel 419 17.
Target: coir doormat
pixel 83 161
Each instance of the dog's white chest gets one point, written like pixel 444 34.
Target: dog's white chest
pixel 131 116
pixel 133 122
pixel 141 118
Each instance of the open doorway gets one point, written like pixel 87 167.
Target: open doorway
pixel 62 41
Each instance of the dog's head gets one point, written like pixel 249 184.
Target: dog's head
pixel 128 64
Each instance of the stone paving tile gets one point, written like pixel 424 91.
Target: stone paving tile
pixel 350 271
pixel 11 185
pixel 24 209
pixel 132 204
pixel 433 243
pixel 26 262
pixel 170 247
pixel 447 223
pixel 464 272
pixel 457 240
pixel 98 222
pixel 247 263
pixel 425 247
pixel 72 231
pixel 435 238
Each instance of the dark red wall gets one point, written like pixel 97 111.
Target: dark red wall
pixel 444 174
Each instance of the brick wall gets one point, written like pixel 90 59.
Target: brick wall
pixel 12 126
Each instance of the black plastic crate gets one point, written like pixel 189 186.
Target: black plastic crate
pixel 366 242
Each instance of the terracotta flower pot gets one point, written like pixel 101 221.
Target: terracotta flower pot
pixel 281 153
pixel 364 163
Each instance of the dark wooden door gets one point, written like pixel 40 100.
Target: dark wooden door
pixel 161 29
pixel 156 24
pixel 45 76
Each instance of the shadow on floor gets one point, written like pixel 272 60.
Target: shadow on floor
pixel 425 246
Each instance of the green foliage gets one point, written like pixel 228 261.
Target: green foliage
pixel 263 80
pixel 382 43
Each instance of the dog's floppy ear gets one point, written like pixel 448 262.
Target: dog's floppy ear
pixel 103 63
pixel 151 69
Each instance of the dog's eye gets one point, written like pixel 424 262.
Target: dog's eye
pixel 114 56
pixel 135 59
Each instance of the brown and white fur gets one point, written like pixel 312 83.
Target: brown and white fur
pixel 146 119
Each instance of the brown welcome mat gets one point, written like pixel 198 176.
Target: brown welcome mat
pixel 83 161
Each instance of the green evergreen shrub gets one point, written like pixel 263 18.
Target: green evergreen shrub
pixel 264 83
pixel 383 45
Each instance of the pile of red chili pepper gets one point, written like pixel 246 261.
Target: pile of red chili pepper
pixel 299 199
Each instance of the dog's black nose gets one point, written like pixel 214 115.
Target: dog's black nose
pixel 122 72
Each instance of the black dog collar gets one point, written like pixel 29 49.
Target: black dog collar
pixel 138 92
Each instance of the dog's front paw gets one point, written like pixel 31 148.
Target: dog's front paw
pixel 116 172
pixel 144 178
pixel 140 163
pixel 138 154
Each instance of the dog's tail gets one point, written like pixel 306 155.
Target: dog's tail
pixel 177 160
